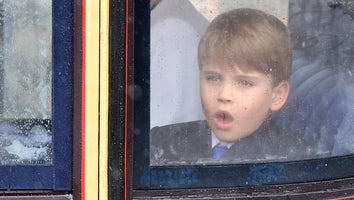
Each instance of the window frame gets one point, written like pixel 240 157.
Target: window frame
pixel 58 175
pixel 129 146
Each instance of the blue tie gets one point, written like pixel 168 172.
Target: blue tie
pixel 219 151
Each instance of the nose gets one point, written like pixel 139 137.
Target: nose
pixel 225 93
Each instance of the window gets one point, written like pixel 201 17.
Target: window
pixel 321 67
pixel 27 82
pixel 36 95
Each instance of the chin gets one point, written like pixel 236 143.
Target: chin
pixel 227 139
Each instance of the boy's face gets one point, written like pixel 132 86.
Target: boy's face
pixel 236 102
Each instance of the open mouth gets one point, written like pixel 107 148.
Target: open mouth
pixel 223 120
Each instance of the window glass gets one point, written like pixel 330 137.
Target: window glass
pixel 315 120
pixel 26 82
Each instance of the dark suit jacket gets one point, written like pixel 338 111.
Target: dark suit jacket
pixel 190 143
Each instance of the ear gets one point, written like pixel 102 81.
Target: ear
pixel 280 95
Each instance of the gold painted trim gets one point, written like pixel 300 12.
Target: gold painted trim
pixel 104 92
pixel 92 99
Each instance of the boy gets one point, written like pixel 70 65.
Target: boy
pixel 244 60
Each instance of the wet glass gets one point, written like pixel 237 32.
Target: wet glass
pixel 320 107
pixel 26 82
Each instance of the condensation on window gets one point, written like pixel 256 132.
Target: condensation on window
pixel 211 8
pixel 26 82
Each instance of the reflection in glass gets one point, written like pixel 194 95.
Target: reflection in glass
pixel 26 82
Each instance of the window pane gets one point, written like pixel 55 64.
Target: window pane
pixel 26 82
pixel 219 85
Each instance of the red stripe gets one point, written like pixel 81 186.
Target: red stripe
pixel 83 99
pixel 344 198
pixel 126 102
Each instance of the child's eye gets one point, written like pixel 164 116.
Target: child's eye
pixel 213 78
pixel 245 83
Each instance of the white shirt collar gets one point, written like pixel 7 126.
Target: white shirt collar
pixel 215 141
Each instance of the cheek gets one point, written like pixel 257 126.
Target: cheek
pixel 256 105
pixel 206 99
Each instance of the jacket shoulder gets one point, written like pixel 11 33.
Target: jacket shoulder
pixel 179 143
pixel 180 128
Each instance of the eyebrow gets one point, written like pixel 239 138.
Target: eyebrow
pixel 241 76
pixel 210 72
pixel 254 78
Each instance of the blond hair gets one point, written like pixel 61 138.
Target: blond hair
pixel 250 38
